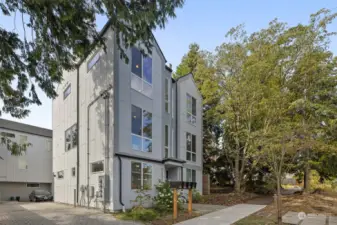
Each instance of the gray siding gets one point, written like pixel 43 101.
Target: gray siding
pixel 13 189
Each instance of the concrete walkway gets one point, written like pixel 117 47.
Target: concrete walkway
pixel 225 216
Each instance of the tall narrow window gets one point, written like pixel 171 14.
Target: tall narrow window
pixel 71 137
pixel 141 175
pixel 141 72
pixel 191 154
pixel 166 96
pixel 191 109
pixel 190 175
pixel 166 146
pixel 141 131
pixel 67 91
pixel 93 60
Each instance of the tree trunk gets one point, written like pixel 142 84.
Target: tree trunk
pixel 307 178
pixel 237 186
pixel 279 203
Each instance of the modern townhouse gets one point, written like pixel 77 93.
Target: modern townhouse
pixel 119 126
pixel 20 175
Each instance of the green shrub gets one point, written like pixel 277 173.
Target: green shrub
pixel 163 201
pixel 139 213
pixel 196 196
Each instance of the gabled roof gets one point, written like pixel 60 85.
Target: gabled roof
pixel 186 77
pixel 101 34
pixel 25 128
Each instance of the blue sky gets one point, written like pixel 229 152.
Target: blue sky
pixel 206 23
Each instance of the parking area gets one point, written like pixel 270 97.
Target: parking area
pixel 49 213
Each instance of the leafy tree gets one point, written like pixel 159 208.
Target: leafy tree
pixel 56 34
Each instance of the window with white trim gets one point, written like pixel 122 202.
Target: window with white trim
pixel 190 175
pixel 166 96
pixel 141 132
pixel 33 185
pixel 71 137
pixel 191 109
pixel 93 60
pixel 166 141
pixel 97 167
pixel 60 174
pixel 67 92
pixel 141 175
pixel 191 154
pixel 141 72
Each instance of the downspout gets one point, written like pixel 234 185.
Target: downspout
pixel 120 183
pixel 106 161
pixel 78 131
pixel 103 94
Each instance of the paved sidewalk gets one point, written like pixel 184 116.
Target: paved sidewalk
pixel 225 216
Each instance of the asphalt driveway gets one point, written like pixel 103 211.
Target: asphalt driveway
pixel 53 214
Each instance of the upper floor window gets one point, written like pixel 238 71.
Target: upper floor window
pixel 191 153
pixel 190 175
pixel 141 68
pixel 191 109
pixel 141 175
pixel 166 96
pixel 93 60
pixel 67 91
pixel 141 129
pixel 71 137
pixel 97 167
pixel 60 174
pixel 166 141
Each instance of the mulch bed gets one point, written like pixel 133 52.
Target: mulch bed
pixel 227 199
pixel 168 220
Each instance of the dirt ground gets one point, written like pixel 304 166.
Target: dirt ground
pixel 322 203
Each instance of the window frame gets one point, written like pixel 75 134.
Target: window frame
pixel 28 185
pixel 98 55
pixel 190 172
pixel 61 172
pixel 166 141
pixel 142 77
pixel 65 94
pixel 141 174
pixel 190 117
pixel 193 146
pixel 142 137
pixel 97 162
pixel 71 130
pixel 167 95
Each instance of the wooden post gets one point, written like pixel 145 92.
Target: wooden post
pixel 175 204
pixel 190 201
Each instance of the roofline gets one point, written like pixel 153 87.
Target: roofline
pixel 190 74
pixel 25 128
pixel 101 34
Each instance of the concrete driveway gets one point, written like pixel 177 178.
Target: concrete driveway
pixel 53 214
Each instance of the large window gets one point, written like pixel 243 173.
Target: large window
pixel 191 109
pixel 97 167
pixel 141 77
pixel 141 175
pixel 191 147
pixel 71 137
pixel 166 96
pixel 190 175
pixel 67 91
pixel 166 147
pixel 141 129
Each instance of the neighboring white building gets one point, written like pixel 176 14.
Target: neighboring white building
pixel 118 127
pixel 19 175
